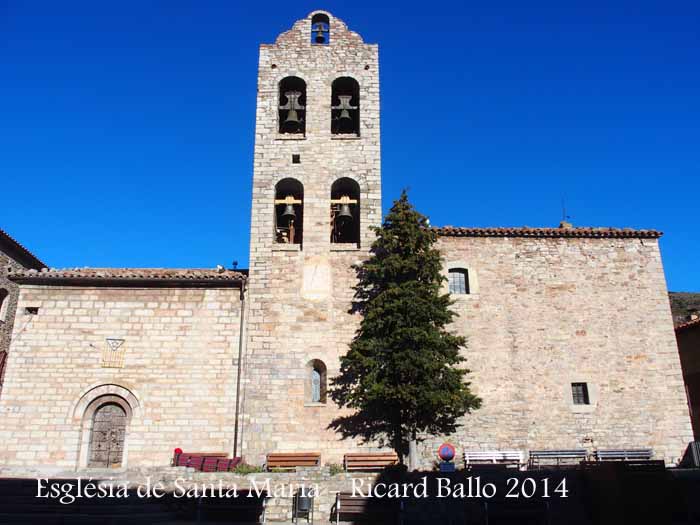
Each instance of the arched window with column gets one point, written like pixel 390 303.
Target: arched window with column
pixel 345 212
pixel 292 106
pixel 289 212
pixel 345 106
pixel 316 382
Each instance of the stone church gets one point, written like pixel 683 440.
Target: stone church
pixel 571 341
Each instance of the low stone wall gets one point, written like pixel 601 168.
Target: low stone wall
pixel 597 493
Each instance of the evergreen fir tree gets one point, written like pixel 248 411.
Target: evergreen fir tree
pixel 400 375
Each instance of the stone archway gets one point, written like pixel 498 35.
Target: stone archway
pixel 104 413
pixel 107 436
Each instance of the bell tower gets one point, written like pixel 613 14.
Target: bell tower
pixel 316 193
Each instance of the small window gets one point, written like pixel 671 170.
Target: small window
pixel 579 391
pixel 458 279
pixel 31 310
pixel 316 382
pixel 3 303
pixel 320 29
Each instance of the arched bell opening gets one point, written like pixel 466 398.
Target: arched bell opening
pixel 292 106
pixel 345 212
pixel 320 29
pixel 289 212
pixel 345 106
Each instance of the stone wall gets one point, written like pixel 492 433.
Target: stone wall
pixel 552 311
pixel 299 296
pixel 546 311
pixel 13 257
pixel 7 312
pixel 178 377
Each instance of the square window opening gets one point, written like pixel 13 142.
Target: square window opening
pixel 579 392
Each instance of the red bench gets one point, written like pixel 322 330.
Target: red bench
pixel 206 461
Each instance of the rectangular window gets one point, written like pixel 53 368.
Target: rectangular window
pixel 579 392
pixel 458 280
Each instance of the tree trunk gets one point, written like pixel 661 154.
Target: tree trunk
pixel 413 453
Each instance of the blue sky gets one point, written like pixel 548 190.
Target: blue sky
pixel 126 129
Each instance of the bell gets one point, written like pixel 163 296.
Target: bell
pixel 292 121
pixel 344 123
pixel 289 212
pixel 345 212
pixel 319 29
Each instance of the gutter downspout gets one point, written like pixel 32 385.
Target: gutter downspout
pixel 238 375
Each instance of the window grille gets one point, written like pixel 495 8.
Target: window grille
pixel 458 280
pixel 579 392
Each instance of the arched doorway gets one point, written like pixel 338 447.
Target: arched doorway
pixel 107 437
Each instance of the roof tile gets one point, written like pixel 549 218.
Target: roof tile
pixel 526 231
pixel 32 259
pixel 129 275
pixel 695 323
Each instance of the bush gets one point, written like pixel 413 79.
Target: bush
pixel 336 468
pixel 244 468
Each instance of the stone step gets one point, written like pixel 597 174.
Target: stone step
pixel 86 519
pixel 95 508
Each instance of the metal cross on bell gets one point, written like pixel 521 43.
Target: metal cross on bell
pixel 292 122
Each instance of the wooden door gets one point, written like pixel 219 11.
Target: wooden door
pixel 107 437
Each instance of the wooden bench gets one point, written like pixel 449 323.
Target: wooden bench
pixel 361 508
pixel 368 461
pixel 493 457
pixel 556 457
pixel 292 460
pixel 641 454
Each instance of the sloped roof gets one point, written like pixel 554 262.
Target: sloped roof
pixel 695 323
pixel 19 252
pixel 683 304
pixel 526 231
pixel 196 277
